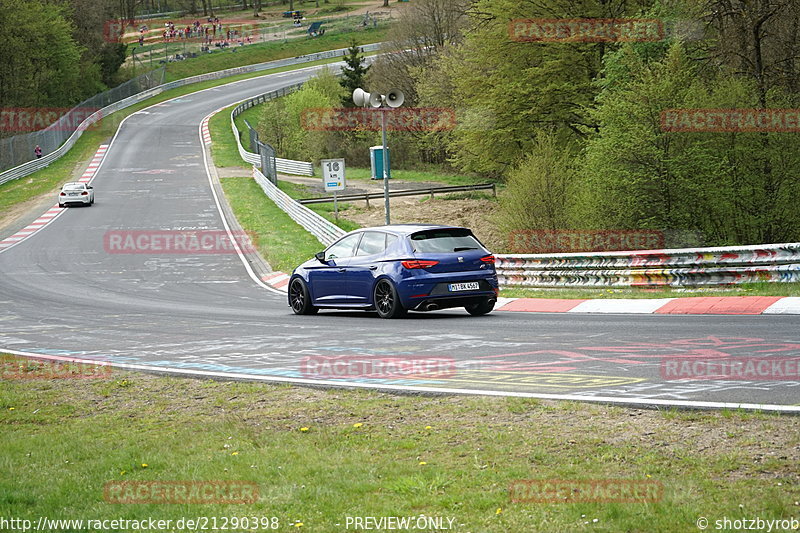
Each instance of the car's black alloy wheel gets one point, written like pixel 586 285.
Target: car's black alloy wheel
pixel 299 299
pixel 387 303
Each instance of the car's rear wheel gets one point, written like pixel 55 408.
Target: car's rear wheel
pixel 387 302
pixel 61 205
pixel 482 308
pixel 299 298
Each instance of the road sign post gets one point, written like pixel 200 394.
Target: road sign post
pixel 333 179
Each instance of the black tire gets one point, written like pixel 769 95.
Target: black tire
pixel 387 302
pixel 299 299
pixel 61 206
pixel 483 308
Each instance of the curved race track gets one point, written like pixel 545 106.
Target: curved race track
pixel 63 295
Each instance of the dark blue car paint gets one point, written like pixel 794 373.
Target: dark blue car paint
pixel 350 282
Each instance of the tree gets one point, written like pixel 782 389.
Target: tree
pixel 40 62
pixel 422 31
pixel 353 73
pixel 522 87
pixel 540 190
pixel 636 175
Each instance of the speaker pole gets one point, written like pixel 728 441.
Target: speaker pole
pixel 385 166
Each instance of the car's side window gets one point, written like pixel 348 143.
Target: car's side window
pixel 373 242
pixel 390 240
pixel 343 248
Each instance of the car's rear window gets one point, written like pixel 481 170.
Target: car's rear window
pixel 444 240
pixel 73 186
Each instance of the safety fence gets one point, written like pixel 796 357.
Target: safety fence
pixel 432 191
pixel 34 165
pixel 284 166
pixel 325 231
pixel 654 268
pixel 18 149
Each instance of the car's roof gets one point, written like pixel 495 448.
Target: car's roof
pixel 407 229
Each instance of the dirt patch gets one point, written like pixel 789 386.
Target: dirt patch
pixel 453 209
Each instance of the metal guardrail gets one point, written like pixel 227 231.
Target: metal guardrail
pixel 325 231
pixel 408 192
pixel 37 164
pixel 640 268
pixel 284 166
pixel 730 265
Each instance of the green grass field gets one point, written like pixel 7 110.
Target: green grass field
pixel 270 51
pixel 317 457
pixel 278 238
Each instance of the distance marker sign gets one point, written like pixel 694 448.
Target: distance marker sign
pixel 333 174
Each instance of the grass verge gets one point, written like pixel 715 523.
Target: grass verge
pixel 371 454
pixel 270 51
pixel 279 239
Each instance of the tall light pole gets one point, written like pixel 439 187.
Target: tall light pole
pixel 394 98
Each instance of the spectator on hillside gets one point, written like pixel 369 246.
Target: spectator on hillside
pixel 38 151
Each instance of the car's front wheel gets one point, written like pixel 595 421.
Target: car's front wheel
pixel 299 298
pixel 482 308
pixel 387 302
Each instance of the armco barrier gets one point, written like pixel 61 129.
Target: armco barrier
pixel 284 166
pixel 642 268
pixel 38 164
pixel 653 268
pixel 324 230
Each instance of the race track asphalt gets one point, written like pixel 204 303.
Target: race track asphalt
pixel 64 293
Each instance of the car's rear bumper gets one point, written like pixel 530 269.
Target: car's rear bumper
pixel 433 292
pixel 74 200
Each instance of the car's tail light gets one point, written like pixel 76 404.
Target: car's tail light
pixel 489 259
pixel 84 193
pixel 63 194
pixel 419 263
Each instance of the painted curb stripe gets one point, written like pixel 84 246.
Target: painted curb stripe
pixel 541 305
pixel 719 305
pixel 53 213
pixel 787 305
pixel 621 305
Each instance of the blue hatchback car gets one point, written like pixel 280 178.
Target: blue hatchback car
pixel 397 268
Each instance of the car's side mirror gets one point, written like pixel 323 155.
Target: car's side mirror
pixel 320 257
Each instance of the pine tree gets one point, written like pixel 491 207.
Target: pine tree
pixel 353 73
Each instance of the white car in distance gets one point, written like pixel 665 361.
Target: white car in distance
pixel 75 193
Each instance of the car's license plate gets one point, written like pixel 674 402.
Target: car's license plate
pixel 74 193
pixel 472 286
